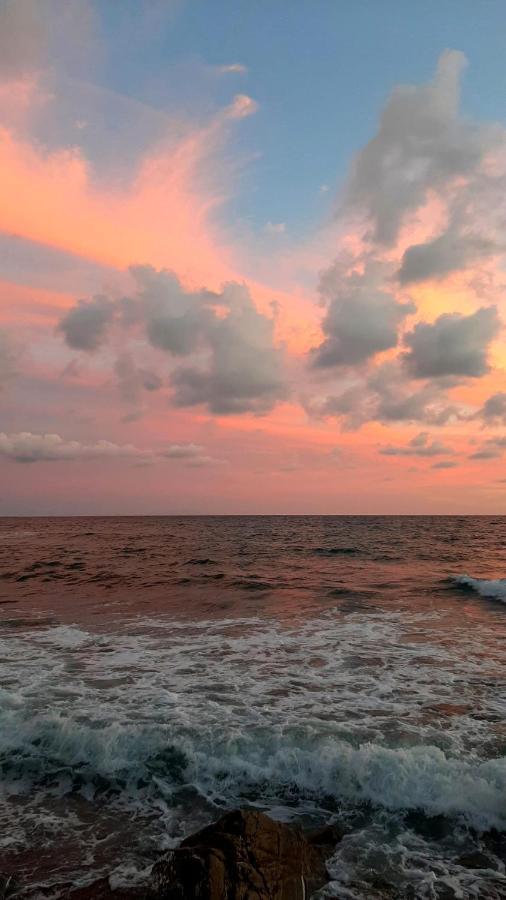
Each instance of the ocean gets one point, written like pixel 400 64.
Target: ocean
pixel 156 671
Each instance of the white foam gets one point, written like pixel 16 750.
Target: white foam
pixel 494 589
pixel 335 710
pixel 292 763
pixel 412 865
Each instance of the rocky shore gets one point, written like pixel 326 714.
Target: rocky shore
pixel 245 855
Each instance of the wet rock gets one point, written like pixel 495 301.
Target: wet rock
pixel 433 828
pixel 326 838
pixel 476 860
pixel 495 842
pixel 246 856
pixel 445 892
pixel 8 886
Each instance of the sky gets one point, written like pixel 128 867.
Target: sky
pixel 252 257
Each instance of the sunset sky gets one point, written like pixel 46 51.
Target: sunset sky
pixel 252 256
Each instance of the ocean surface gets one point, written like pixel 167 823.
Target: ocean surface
pixel 156 671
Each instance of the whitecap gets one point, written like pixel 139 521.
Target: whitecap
pixel 494 589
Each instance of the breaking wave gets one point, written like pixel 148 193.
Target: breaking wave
pixel 493 589
pixel 148 765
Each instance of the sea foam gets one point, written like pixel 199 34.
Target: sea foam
pixel 138 765
pixel 495 589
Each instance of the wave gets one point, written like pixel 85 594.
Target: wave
pixel 335 551
pixel 148 765
pixel 493 589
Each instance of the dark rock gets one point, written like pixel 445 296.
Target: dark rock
pixel 445 892
pixel 8 886
pixel 326 837
pixel 434 828
pixel 245 856
pixel 476 860
pixel 495 843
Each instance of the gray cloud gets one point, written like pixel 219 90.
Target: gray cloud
pixel 192 454
pixel 447 253
pixel 452 345
pixel 199 462
pixel 486 453
pixel 176 320
pixel 445 464
pixel 388 395
pixel 26 447
pixel 490 449
pixel 233 364
pixel 133 379
pixel 238 369
pixel 183 451
pixel 362 319
pixel 421 144
pixel 85 326
pixel 423 150
pixel 398 400
pixel 407 405
pixel 420 445
pixel 7 359
pixel 493 411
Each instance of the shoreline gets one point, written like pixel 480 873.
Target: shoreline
pixel 247 855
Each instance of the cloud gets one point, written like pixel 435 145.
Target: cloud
pixel 275 228
pixel 192 454
pixel 420 445
pixel 421 145
pixel 400 402
pixel 362 319
pixel 242 370
pixel 233 364
pixel 85 326
pixel 446 253
pixel 143 190
pixel 490 449
pixel 7 359
pixel 182 451
pixel 493 411
pixel 488 452
pixel 133 379
pixel 445 464
pixel 199 462
pixel 176 320
pixel 233 69
pixel 26 447
pixel 453 345
pixel 386 394
pixel 241 107
pixel 423 200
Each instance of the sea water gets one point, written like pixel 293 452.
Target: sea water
pixel 157 671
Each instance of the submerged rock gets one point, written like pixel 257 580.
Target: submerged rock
pixel 246 856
